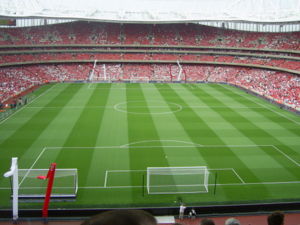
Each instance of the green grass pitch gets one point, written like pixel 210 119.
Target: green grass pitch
pixel 112 132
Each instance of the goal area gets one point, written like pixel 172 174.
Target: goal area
pixel 174 180
pixel 65 183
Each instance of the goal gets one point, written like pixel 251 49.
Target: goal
pixel 173 180
pixel 27 183
pixel 65 183
pixel 139 79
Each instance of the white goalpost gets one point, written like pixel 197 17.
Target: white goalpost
pixel 134 79
pixel 173 180
pixel 27 183
pixel 91 77
pixel 102 74
pixel 15 185
pixel 180 71
pixel 65 183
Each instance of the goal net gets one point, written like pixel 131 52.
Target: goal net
pixel 139 79
pixel 65 183
pixel 173 180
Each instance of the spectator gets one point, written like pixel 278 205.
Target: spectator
pixel 181 211
pixel 192 213
pixel 232 221
pixel 276 218
pixel 122 217
pixel 206 221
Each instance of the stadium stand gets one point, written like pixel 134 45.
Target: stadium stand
pixel 186 34
pixel 144 42
pixel 280 86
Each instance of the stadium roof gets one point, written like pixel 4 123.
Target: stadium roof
pixel 155 10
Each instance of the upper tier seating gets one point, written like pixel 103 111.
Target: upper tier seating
pixel 159 34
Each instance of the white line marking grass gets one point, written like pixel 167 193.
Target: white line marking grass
pixel 105 179
pixel 107 172
pixel 264 106
pixel 27 106
pixel 140 107
pixel 233 170
pixel 128 146
pixel 168 146
pixel 93 86
pixel 39 156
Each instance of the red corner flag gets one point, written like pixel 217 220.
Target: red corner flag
pixel 50 177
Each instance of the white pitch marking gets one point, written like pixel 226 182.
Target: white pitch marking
pixel 137 107
pixel 146 141
pixel 127 146
pixel 208 146
pixel 229 184
pixel 245 96
pixel 105 179
pixel 178 109
pixel 121 171
pixel 39 156
pixel 133 88
pixel 298 164
pixel 26 106
pixel 238 176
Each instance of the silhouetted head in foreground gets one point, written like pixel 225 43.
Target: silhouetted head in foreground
pixel 276 218
pixel 122 217
pixel 206 221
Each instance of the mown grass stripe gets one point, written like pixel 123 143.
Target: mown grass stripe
pixel 291 129
pixel 141 128
pixel 283 114
pixel 200 132
pixel 93 195
pixel 290 145
pixel 13 122
pixel 113 132
pixel 84 134
pixel 18 143
pixel 250 130
pixel 170 129
pixel 277 116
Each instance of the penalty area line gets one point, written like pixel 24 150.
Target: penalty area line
pixel 229 184
pixel 39 156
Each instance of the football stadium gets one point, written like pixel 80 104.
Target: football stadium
pixel 151 105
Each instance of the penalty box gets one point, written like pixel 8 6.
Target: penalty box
pixel 110 166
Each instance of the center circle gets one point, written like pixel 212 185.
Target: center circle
pixel 149 107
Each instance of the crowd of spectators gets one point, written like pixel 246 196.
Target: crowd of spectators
pixel 14 80
pixel 140 217
pixel 273 62
pixel 280 86
pixel 141 34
